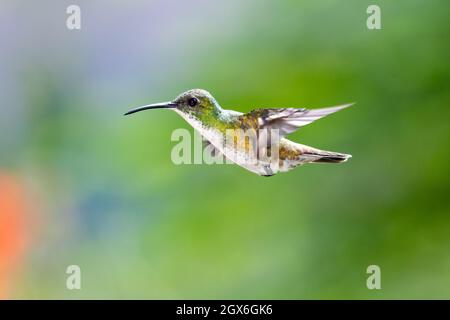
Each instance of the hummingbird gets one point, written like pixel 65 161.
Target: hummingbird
pixel 202 111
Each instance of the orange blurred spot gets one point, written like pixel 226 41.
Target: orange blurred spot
pixel 13 236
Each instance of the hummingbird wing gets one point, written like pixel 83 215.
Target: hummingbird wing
pixel 287 120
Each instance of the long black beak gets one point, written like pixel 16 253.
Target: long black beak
pixel 162 105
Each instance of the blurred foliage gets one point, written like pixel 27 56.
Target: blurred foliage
pixel 141 227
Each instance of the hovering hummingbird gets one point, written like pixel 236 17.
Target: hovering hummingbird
pixel 199 108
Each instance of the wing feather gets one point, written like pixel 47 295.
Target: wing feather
pixel 288 120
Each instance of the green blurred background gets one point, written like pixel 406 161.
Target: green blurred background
pixel 81 184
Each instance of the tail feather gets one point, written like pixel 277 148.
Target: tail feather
pixel 334 159
pixel 329 157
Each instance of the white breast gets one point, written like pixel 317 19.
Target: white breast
pixel 216 138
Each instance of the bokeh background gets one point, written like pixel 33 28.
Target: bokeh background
pixel 81 184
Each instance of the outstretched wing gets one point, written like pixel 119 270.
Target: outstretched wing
pixel 287 120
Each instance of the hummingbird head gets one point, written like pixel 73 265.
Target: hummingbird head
pixel 195 103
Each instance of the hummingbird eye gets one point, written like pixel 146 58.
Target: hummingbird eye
pixel 193 102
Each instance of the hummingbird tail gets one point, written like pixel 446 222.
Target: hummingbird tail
pixel 329 156
pixel 337 158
